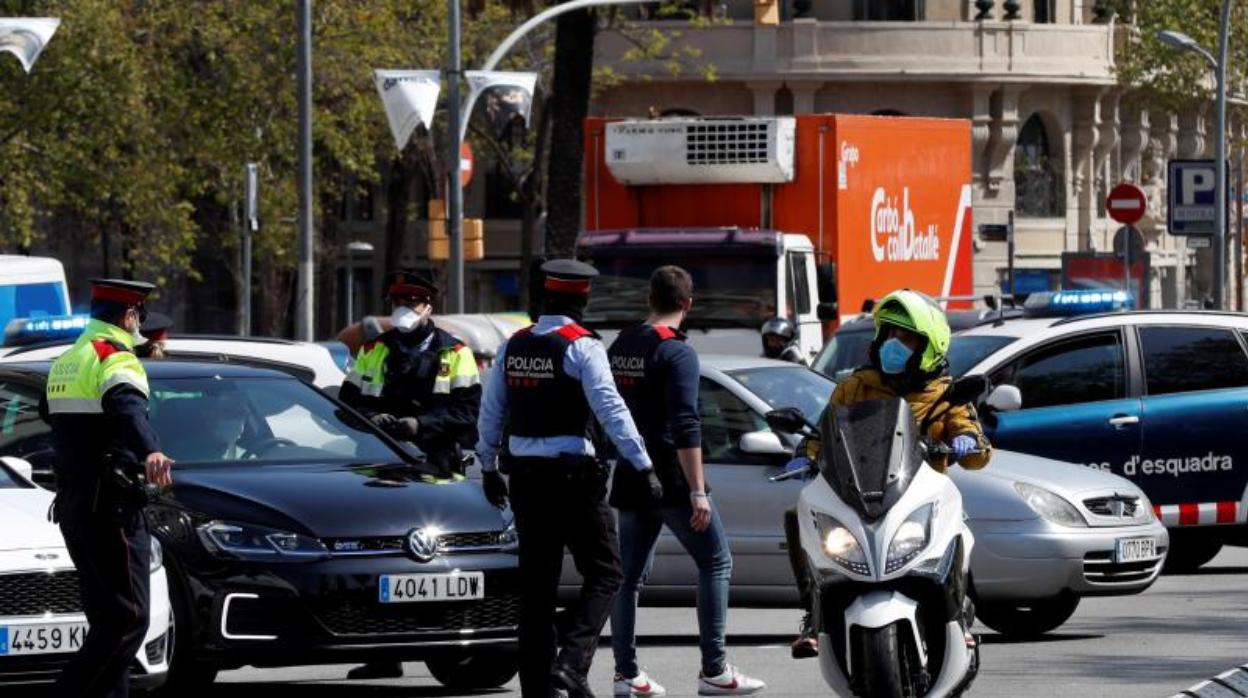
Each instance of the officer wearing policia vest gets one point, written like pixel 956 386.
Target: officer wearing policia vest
pixel 549 383
pixel 97 399
pixel 417 383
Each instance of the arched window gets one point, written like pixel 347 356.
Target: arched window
pixel 1039 188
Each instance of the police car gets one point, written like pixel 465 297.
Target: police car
pixel 42 622
pixel 1159 397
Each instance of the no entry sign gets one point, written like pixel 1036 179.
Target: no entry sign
pixel 1126 203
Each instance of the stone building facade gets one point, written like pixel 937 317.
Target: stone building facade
pixel 1052 128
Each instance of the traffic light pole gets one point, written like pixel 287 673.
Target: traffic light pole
pixel 1219 241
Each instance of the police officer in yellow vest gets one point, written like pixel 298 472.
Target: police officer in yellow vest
pixel 416 382
pixel 97 399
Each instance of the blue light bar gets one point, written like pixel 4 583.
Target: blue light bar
pixel 25 331
pixel 1077 302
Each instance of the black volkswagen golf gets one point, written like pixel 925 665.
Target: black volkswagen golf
pixel 296 533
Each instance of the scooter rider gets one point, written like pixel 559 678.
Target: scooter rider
pixel 657 374
pixel 780 341
pixel 908 360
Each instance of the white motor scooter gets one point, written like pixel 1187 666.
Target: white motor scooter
pixel 887 551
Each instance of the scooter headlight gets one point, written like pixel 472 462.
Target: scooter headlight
pixel 1051 506
pixel 910 539
pixel 841 545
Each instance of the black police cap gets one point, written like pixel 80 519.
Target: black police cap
pixel 410 283
pixel 121 291
pixel 156 324
pixel 568 276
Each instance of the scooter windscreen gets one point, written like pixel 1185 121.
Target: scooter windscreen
pixel 871 454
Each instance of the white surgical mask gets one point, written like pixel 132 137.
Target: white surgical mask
pixel 405 319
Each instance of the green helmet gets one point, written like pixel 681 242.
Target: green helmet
pixel 917 312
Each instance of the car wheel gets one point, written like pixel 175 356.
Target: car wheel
pixel 187 677
pixel 466 672
pixel 1189 552
pixel 1026 618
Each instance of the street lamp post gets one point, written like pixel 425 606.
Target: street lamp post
pixel 1182 41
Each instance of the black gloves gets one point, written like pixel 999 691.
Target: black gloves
pixel 383 421
pixel 653 485
pixel 495 488
pixel 405 428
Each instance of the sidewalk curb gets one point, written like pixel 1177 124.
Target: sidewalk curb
pixel 1228 684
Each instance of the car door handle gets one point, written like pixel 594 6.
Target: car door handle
pixel 1121 421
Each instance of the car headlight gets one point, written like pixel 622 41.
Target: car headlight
pixel 158 557
pixel 840 544
pixel 910 539
pixel 250 542
pixel 1051 506
pixel 509 539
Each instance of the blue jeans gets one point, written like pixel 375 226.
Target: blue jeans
pixel 639 532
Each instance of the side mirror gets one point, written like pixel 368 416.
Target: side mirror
pixel 21 466
pixel 786 420
pixel 827 312
pixel 967 390
pixel 1005 398
pixel 763 443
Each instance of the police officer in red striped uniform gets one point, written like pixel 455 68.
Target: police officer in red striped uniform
pixel 550 388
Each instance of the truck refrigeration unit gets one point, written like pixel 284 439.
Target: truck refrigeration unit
pixel 802 217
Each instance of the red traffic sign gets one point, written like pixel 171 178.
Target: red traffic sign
pixel 465 163
pixel 1126 203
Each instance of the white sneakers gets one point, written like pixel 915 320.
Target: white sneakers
pixel 730 683
pixel 640 686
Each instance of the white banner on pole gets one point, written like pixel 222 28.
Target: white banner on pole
pixel 25 37
pixel 511 93
pixel 410 96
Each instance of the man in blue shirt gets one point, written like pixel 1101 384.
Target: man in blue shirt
pixel 550 389
pixel 658 374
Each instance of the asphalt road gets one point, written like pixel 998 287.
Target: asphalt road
pixel 1183 630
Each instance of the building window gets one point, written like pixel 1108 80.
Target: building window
pixel 1039 188
pixel 1045 12
pixel 889 10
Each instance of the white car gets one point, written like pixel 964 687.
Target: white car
pixel 313 363
pixel 41 616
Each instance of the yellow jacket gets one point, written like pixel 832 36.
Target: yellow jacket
pixel 868 384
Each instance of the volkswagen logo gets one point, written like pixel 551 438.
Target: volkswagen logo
pixel 423 544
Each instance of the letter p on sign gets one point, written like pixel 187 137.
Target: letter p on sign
pixel 1195 182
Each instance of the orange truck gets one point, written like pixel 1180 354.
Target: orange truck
pixel 803 217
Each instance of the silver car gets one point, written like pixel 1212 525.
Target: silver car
pixel 1047 533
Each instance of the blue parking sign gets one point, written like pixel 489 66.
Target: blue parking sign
pixel 1192 197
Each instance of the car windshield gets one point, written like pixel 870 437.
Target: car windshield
pixel 965 351
pixel 728 290
pixel 204 421
pixel 846 351
pixel 788 386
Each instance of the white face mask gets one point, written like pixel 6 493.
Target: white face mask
pixel 405 319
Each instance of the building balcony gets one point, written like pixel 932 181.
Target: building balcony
pixel 932 51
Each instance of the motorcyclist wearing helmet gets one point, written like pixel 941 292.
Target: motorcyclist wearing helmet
pixel 908 360
pixel 780 341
